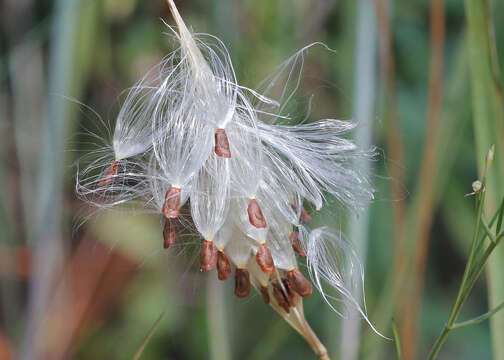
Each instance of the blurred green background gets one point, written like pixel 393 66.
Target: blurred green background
pixel 94 291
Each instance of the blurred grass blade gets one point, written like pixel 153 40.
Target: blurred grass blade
pixel 217 328
pixel 426 183
pixel 500 214
pixel 363 112
pixel 488 120
pixel 148 337
pixel 397 340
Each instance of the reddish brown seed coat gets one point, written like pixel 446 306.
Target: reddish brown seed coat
pixel 264 259
pixel 280 297
pixel 299 283
pixel 305 216
pixel 242 283
pixel 168 233
pixel 265 294
pixel 222 144
pixel 291 295
pixel 255 214
pixel 208 256
pixel 109 175
pixel 296 243
pixel 223 266
pixel 172 203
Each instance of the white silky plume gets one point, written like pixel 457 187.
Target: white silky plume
pixel 210 197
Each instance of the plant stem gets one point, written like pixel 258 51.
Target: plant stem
pixel 478 319
pixel 469 278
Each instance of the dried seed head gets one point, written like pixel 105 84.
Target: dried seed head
pixel 300 284
pixel 172 203
pixel 242 283
pixel 223 265
pixel 264 259
pixel 222 144
pixel 208 255
pixel 255 214
pixel 168 233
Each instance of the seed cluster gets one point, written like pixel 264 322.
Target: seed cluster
pixel 189 136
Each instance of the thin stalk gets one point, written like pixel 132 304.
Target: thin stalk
pixel 424 210
pixel 478 319
pixel 397 340
pixel 471 271
pixel 48 202
pixel 216 319
pixel 364 95
pixel 488 120
pixel 148 338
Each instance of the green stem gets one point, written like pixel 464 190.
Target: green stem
pixel 478 319
pixel 468 281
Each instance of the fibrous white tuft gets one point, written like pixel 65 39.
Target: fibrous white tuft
pixel 188 132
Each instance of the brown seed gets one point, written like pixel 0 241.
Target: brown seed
pixel 168 233
pixel 264 259
pixel 109 175
pixel 299 283
pixel 291 295
pixel 255 214
pixel 172 203
pixel 208 255
pixel 223 266
pixel 222 144
pixel 305 216
pixel 280 297
pixel 265 294
pixel 296 243
pixel 242 283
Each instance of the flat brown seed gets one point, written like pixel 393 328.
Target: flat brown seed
pixel 264 259
pixel 172 203
pixel 280 297
pixel 255 214
pixel 109 175
pixel 168 233
pixel 242 283
pixel 299 283
pixel 305 216
pixel 291 295
pixel 296 243
pixel 265 294
pixel 223 266
pixel 222 144
pixel 208 256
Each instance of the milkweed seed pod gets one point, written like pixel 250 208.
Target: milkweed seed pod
pixel 206 153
